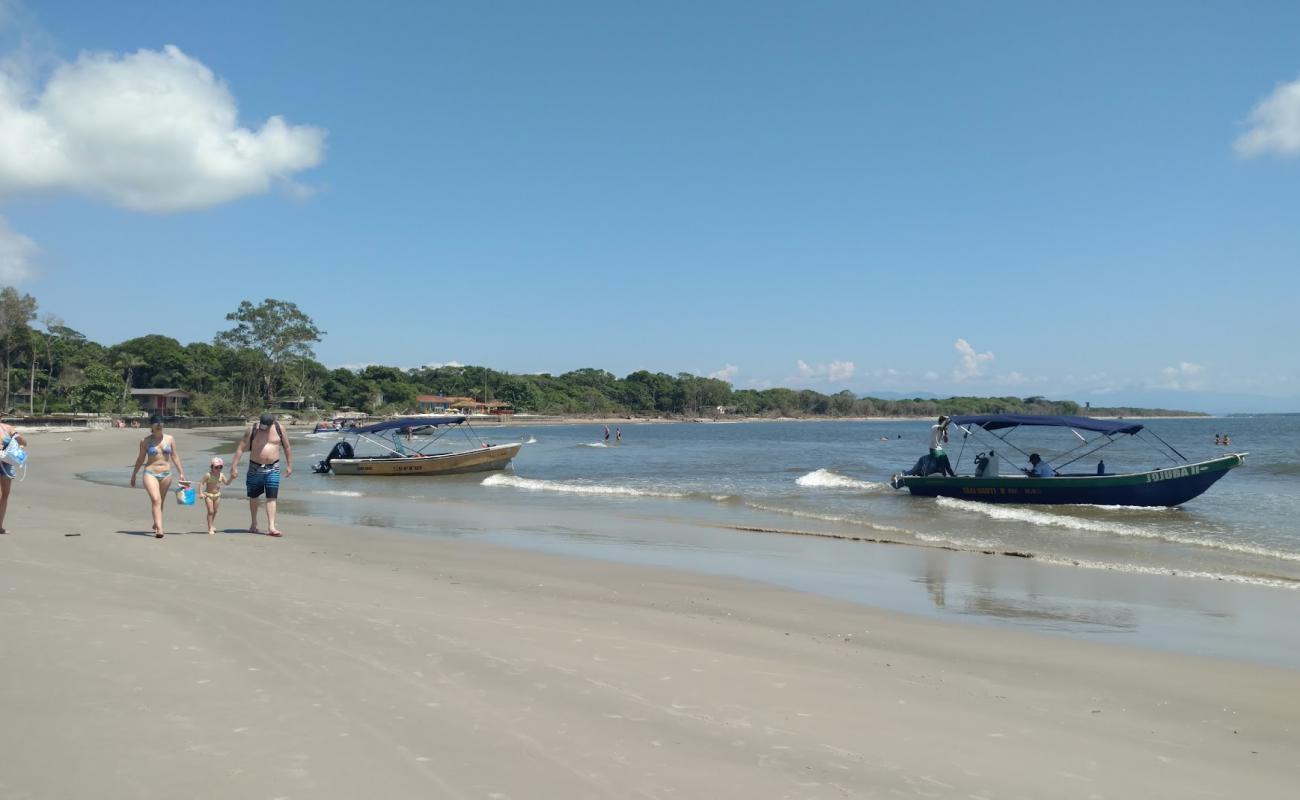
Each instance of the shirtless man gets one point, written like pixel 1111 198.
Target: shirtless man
pixel 264 442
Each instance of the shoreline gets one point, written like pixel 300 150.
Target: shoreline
pixel 345 660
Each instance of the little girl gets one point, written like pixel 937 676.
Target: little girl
pixel 210 486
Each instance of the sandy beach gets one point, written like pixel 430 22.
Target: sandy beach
pixel 347 661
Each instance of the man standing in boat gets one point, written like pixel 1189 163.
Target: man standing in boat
pixel 264 440
pixel 938 438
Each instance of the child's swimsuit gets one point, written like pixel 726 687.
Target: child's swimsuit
pixel 213 493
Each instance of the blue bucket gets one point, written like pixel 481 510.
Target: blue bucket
pixel 185 495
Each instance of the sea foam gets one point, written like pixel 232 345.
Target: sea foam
pixel 825 479
pixel 538 485
pixel 1032 517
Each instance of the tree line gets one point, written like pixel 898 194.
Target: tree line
pixel 268 357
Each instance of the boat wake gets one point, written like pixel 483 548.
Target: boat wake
pixel 531 440
pixel 825 479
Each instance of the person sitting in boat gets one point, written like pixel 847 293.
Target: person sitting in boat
pixel 1038 468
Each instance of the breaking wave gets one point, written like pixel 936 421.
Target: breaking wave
pixel 538 485
pixel 1136 569
pixel 336 492
pixel 825 479
pixel 1031 517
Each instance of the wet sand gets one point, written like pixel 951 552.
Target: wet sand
pixel 344 661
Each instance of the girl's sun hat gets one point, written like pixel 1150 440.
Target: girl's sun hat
pixel 218 463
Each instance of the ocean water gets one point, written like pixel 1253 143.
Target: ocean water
pixel 831 479
pixel 807 505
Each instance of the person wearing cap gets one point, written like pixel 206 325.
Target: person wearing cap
pixel 210 487
pixel 265 442
pixel 1038 468
pixel 938 438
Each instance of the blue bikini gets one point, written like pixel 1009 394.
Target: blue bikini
pixel 153 451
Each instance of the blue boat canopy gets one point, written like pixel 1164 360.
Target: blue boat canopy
pixel 993 422
pixel 407 422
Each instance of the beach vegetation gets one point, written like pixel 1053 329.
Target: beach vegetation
pixel 268 360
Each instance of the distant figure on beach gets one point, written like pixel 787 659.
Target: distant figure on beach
pixel 938 438
pixel 8 433
pixel 158 454
pixel 210 487
pixel 607 433
pixel 1038 468
pixel 618 434
pixel 264 441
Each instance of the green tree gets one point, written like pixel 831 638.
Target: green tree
pixel 127 363
pixel 160 361
pixel 277 330
pixel 16 313
pixel 97 389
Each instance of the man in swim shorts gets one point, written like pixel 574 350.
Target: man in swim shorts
pixel 264 441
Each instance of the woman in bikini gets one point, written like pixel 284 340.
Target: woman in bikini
pixel 7 433
pixel 158 454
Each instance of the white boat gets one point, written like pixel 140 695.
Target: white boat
pixel 398 459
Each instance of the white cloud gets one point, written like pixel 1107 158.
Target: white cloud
pixel 1275 124
pixel 972 363
pixel 1185 375
pixel 16 254
pixel 726 373
pixel 834 371
pixel 436 365
pixel 148 131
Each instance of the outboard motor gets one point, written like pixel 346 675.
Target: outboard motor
pixel 341 450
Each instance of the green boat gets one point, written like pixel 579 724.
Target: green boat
pixel 1168 486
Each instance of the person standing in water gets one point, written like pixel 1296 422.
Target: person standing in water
pixel 158 454
pixel 264 441
pixel 8 433
pixel 618 434
pixel 607 433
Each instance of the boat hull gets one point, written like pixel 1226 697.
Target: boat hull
pixel 1161 487
pixel 480 460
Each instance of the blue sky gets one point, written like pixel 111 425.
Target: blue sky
pixel 1097 201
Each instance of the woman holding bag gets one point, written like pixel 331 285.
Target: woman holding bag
pixel 8 434
pixel 158 454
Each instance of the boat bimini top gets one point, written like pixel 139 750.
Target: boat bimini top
pixel 1108 430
